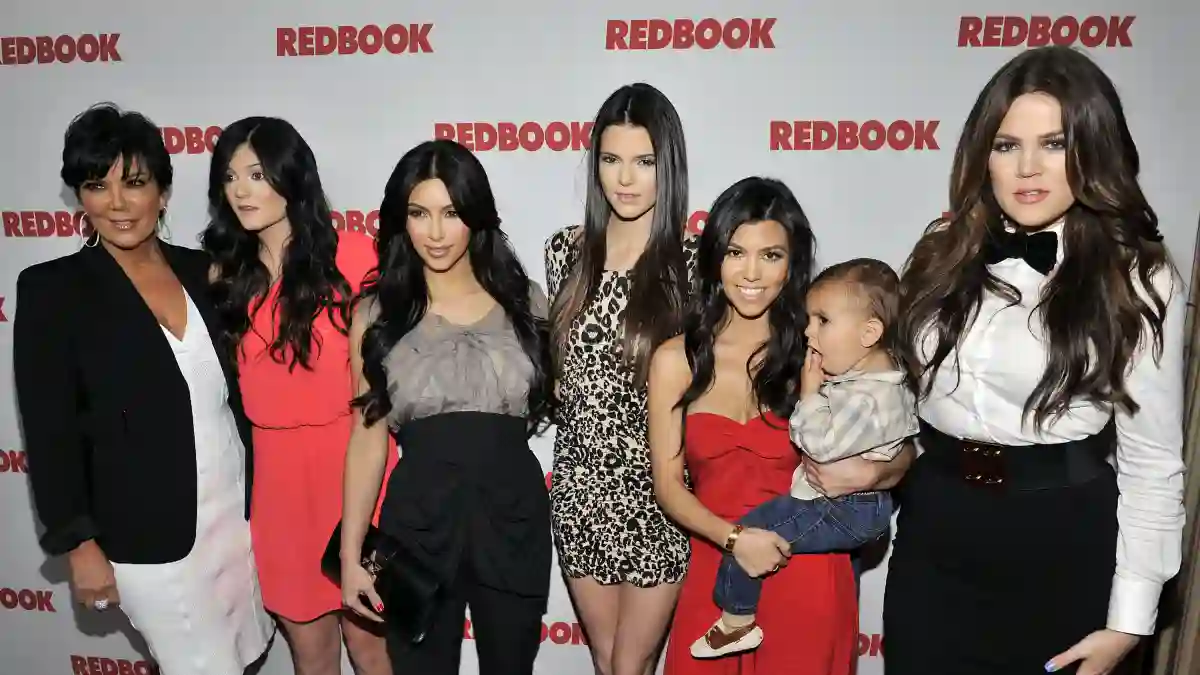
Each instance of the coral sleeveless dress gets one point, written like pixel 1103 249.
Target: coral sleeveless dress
pixel 302 422
pixel 809 609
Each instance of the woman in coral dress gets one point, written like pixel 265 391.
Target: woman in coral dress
pixel 727 424
pixel 284 283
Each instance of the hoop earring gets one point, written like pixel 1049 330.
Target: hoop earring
pixel 93 239
pixel 164 226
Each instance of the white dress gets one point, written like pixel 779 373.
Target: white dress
pixel 204 615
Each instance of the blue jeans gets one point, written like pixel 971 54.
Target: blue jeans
pixel 811 526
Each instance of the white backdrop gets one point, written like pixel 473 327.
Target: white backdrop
pixel 782 70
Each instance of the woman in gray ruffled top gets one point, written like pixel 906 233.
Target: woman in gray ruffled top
pixel 450 339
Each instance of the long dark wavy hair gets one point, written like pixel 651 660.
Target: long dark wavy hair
pixel 659 278
pixel 1110 236
pixel 775 366
pixel 310 282
pixel 402 296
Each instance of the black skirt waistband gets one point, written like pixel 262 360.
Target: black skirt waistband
pixel 1026 467
pixel 467 439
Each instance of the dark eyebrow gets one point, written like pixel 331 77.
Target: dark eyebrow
pixel 1007 137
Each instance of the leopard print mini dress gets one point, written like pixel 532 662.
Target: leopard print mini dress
pixel 606 522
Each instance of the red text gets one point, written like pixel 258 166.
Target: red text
pixel 549 480
pixel 342 40
pixel 28 600
pixel 95 665
pixel 686 33
pixel 42 49
pixel 511 136
pixel 850 135
pixel 12 461
pixel 559 633
pixel 190 140
pixel 45 224
pixel 870 645
pixel 3 317
pixel 1039 31
pixel 696 221
pixel 357 221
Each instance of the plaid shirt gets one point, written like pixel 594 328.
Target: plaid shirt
pixel 857 413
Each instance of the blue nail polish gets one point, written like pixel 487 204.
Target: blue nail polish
pixel 1050 667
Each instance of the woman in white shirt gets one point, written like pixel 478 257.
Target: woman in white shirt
pixel 1045 323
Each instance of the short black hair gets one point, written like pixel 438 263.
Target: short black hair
pixel 104 133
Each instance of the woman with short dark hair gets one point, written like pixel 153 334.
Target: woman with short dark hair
pixel 139 452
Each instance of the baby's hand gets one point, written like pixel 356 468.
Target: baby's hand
pixel 812 376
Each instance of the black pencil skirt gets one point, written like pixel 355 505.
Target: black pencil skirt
pixel 995 578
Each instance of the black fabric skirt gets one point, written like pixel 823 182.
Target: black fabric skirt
pixel 995 578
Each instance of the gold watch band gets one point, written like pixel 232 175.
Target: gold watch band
pixel 733 537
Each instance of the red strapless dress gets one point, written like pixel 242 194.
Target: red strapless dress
pixel 809 609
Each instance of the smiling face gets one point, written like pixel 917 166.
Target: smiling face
pixel 628 170
pixel 123 209
pixel 437 232
pixel 755 267
pixel 1028 162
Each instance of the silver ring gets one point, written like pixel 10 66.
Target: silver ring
pixel 101 604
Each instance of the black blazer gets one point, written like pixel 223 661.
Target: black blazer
pixel 106 412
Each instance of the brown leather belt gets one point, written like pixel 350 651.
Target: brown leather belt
pixel 1026 467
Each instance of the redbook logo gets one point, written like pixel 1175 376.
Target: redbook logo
pixel 11 461
pixel 99 665
pixel 45 49
pixel 851 135
pixel 513 136
pixel 363 222
pixel 396 38
pixel 870 645
pixel 681 34
pixel 558 632
pixel 190 140
pixel 27 599
pixel 45 224
pixel 1039 31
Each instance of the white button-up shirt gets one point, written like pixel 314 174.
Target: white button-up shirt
pixel 1001 357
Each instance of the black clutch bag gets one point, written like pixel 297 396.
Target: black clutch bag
pixel 408 587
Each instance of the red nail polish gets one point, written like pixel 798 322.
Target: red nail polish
pixel 379 607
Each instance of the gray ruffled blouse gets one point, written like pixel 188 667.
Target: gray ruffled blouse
pixel 443 367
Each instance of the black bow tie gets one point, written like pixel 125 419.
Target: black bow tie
pixel 1039 251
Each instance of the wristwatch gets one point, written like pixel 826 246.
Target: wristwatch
pixel 733 537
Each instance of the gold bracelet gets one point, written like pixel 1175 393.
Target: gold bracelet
pixel 733 537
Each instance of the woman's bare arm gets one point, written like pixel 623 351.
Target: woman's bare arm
pixel 669 378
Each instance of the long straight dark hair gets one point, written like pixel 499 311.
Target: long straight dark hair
pixel 776 375
pixel 310 282
pixel 659 278
pixel 399 290
pixel 1091 309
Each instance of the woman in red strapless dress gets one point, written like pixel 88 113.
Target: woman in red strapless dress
pixel 809 608
pixel 739 359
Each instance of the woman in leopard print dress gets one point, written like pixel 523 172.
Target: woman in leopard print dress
pixel 619 283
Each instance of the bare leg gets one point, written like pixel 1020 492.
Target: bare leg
pixel 367 648
pixel 643 617
pixel 316 646
pixel 597 607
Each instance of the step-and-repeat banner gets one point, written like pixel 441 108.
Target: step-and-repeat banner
pixel 857 106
